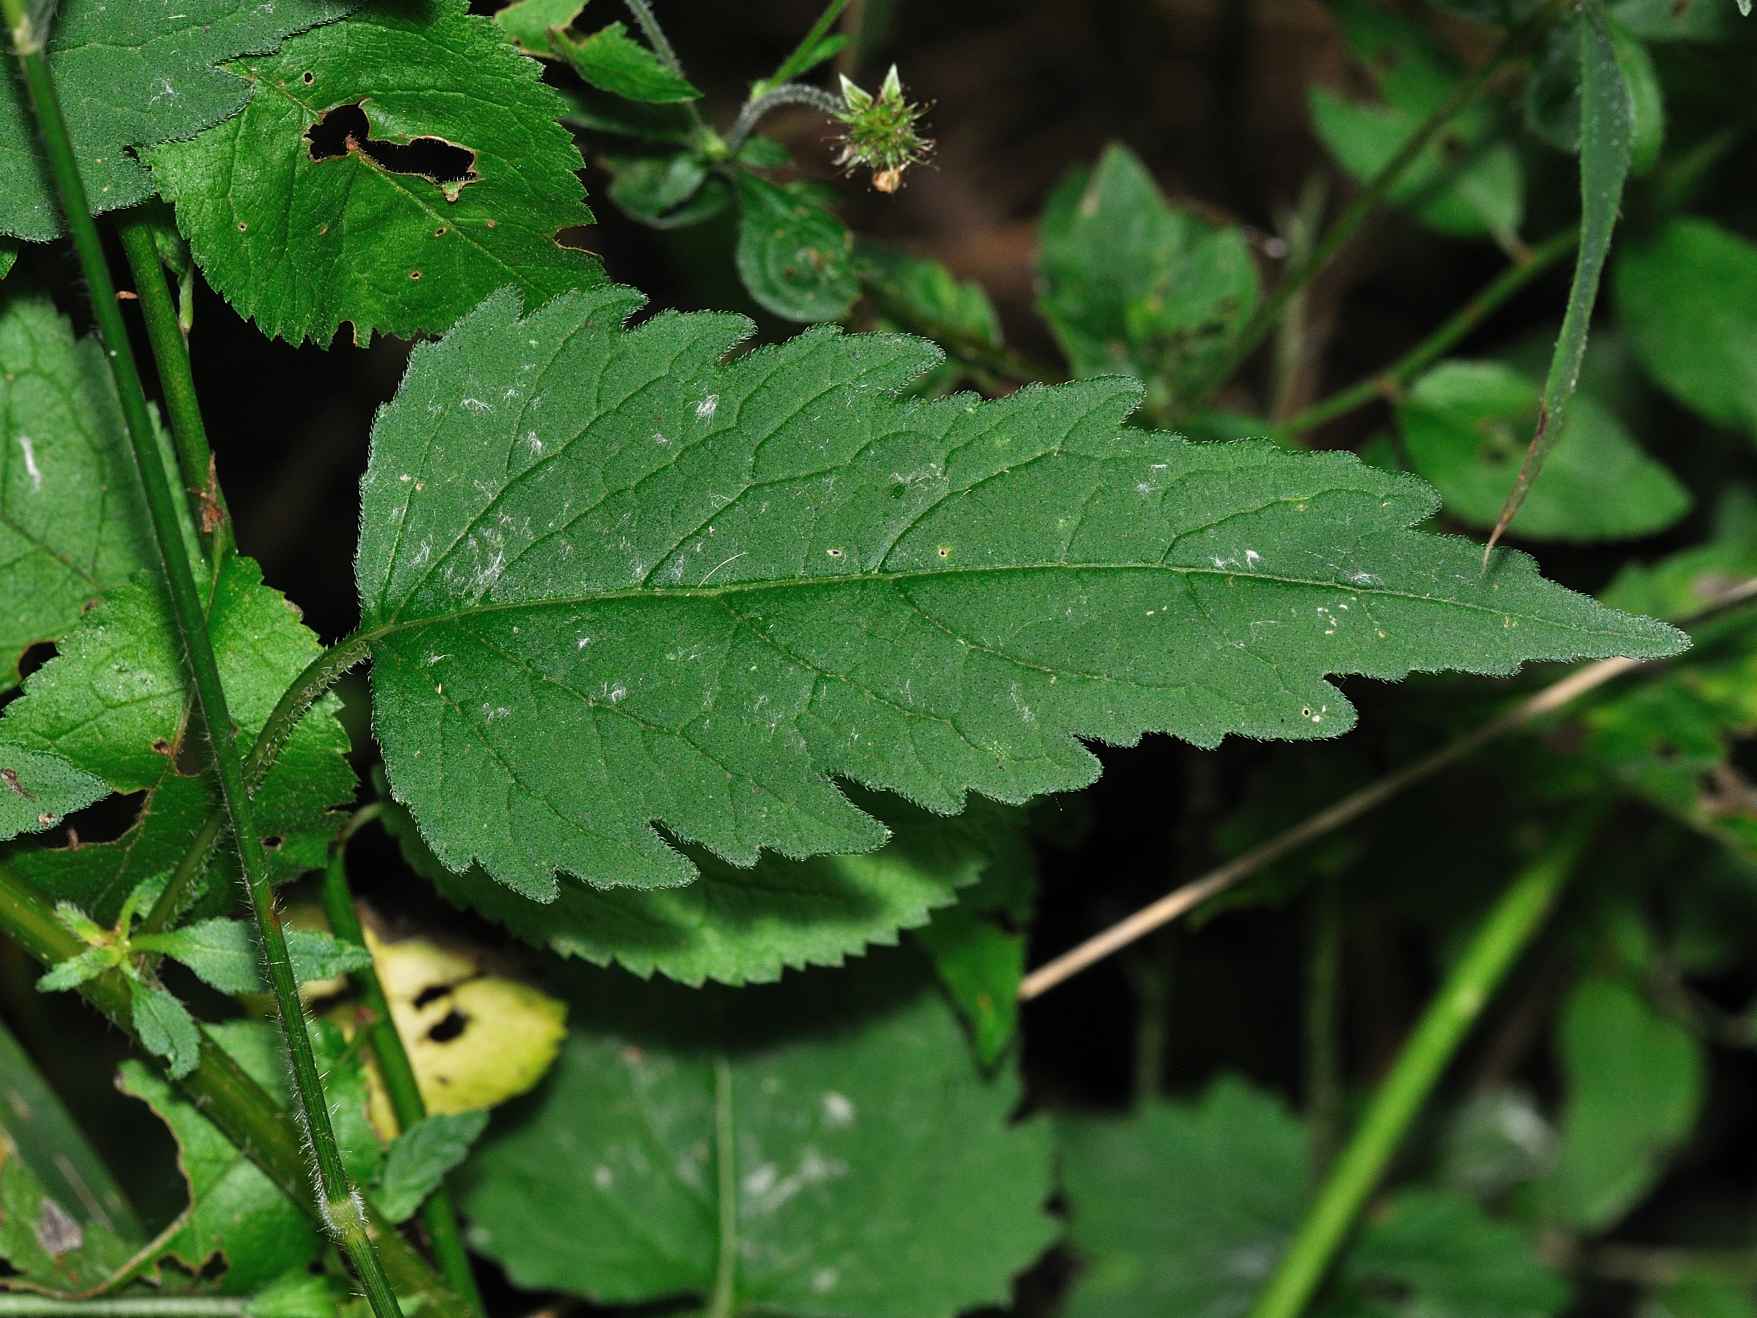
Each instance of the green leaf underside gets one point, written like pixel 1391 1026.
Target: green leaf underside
pixel 528 22
pixel 741 926
pixel 37 790
pixel 1133 285
pixel 1687 299
pixel 72 524
pixel 301 245
pixel 165 1027
pixel 1466 426
pixel 114 703
pixel 418 1160
pixel 622 581
pixel 132 75
pixel 1465 183
pixel 235 1211
pixel 826 1148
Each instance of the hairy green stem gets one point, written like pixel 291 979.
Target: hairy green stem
pixel 1374 195
pixel 137 1306
pixel 344 1213
pixel 164 330
pixel 256 1125
pixel 1385 383
pixel 1504 933
pixel 648 23
pixel 438 1213
pixel 788 93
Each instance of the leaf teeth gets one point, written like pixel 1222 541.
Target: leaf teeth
pixel 927 597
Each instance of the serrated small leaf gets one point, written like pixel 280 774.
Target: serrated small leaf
pixel 1464 183
pixel 1687 299
pixel 926 298
pixel 130 76
pixel 795 258
pixel 1132 285
pixel 419 1159
pixel 614 62
pixel 115 703
pixel 1634 1079
pixel 666 192
pixel 1466 425
pixel 37 790
pixel 224 953
pixel 825 1147
pixel 717 584
pixel 235 1213
pixel 164 1027
pixel 530 22
pixel 300 244
pixel 74 971
pixel 72 523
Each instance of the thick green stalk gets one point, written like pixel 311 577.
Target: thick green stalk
pixel 164 330
pixel 344 1213
pixel 255 1124
pixel 1374 195
pixel 137 1306
pixel 1488 300
pixel 438 1214
pixel 1503 934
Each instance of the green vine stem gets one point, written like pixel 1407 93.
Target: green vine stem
pixel 1504 933
pixel 1385 383
pixel 344 1211
pixel 255 1124
pixel 1514 46
pixel 788 93
pixel 438 1213
pixel 164 330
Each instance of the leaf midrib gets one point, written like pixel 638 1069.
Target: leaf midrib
pixel 396 623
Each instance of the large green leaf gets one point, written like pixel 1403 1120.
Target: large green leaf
pixel 115 703
pixel 49 1240
pixel 131 75
pixel 1635 1081
pixel 1687 299
pixel 1134 286
pixel 363 234
pixel 1466 426
pixel 609 579
pixel 741 926
pixel 72 524
pixel 1465 182
pixel 235 1212
pixel 823 1148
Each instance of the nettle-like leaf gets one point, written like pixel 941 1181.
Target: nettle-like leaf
pixel 235 1212
pixel 978 946
pixel 614 62
pixel 419 1159
pixel 388 171
pixel 742 926
pixel 1133 285
pixel 609 578
pixel 130 76
pixel 72 524
pixel 795 258
pixel 827 1148
pixel 115 703
pixel 224 953
pixel 1466 182
pixel 1466 427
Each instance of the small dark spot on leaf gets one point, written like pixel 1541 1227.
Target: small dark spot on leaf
pixel 273 842
pixel 161 746
pixel 490 224
pixel 450 1028
pixel 322 229
pixel 345 130
pixel 308 77
pixel 431 994
pixel 439 232
pixel 243 227
pixel 415 275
